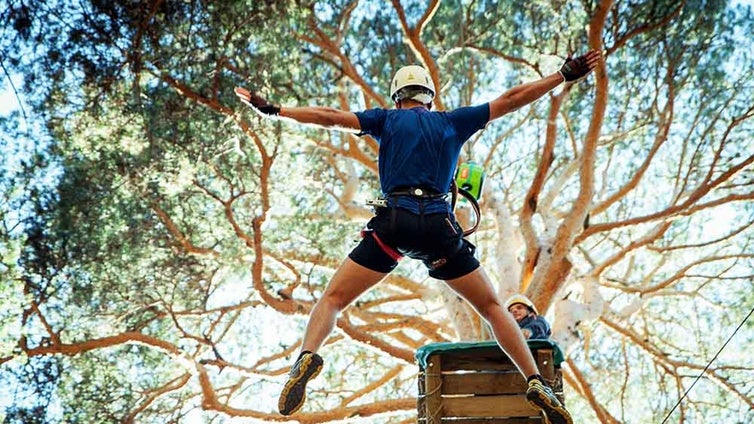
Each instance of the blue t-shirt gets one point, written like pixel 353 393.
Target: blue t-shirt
pixel 421 148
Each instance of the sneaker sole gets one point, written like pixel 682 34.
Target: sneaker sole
pixel 545 404
pixel 294 392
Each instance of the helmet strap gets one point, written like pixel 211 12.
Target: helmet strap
pixel 416 93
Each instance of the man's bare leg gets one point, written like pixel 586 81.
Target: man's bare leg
pixel 476 288
pixel 349 282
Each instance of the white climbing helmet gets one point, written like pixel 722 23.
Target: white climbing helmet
pixel 409 76
pixel 519 298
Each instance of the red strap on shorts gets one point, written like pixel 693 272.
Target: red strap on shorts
pixel 394 254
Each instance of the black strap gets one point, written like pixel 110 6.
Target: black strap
pixel 455 191
pixel 419 192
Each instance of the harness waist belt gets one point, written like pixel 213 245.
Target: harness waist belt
pixel 422 192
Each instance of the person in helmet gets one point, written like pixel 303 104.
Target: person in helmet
pixel 532 325
pixel 418 152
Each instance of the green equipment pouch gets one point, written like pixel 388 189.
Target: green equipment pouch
pixel 470 177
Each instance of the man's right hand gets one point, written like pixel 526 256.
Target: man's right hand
pixel 576 68
pixel 257 102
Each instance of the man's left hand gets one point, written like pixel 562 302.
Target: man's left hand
pixel 577 68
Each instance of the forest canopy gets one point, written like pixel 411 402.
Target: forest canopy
pixel 162 245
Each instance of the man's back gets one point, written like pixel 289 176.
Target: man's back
pixel 419 148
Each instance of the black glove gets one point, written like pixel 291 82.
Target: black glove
pixel 257 102
pixel 574 69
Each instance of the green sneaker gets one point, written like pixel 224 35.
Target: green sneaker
pixel 541 397
pixel 293 395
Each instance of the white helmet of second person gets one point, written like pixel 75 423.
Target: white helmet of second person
pixel 519 298
pixel 412 82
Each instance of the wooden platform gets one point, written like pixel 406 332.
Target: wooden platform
pixel 464 383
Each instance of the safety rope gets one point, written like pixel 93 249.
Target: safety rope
pixel 707 366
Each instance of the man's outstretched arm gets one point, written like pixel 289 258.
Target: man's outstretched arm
pixel 325 117
pixel 522 95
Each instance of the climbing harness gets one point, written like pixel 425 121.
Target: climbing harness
pixel 467 183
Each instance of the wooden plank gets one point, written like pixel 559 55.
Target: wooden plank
pixel 492 359
pixel 479 364
pixel 483 383
pixel 489 353
pixel 488 406
pixel 420 406
pixel 433 402
pixel 545 363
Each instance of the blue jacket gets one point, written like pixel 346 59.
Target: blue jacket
pixel 539 327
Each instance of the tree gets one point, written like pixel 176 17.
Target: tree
pixel 166 269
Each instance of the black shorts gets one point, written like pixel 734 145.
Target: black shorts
pixel 435 239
